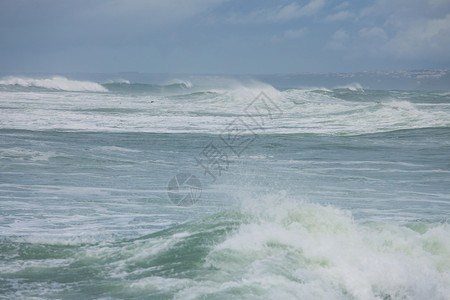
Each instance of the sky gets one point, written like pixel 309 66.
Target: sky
pixel 223 36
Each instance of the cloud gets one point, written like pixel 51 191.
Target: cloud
pixel 54 24
pixel 141 12
pixel 413 29
pixel 339 16
pixel 289 34
pixel 312 7
pixel 404 9
pixel 281 13
pixel 157 35
pixel 421 38
pixel 370 39
pixel 373 33
pixel 41 11
pixel 338 40
pixel 395 30
pixel 342 5
pixel 295 33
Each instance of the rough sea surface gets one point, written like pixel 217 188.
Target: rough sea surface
pixel 301 193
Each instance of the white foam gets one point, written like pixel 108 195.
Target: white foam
pixel 284 249
pixel 55 83
pixel 186 83
pixel 117 149
pixel 26 154
pixel 119 80
pixel 306 250
pixel 246 91
pixel 354 87
pixel 303 111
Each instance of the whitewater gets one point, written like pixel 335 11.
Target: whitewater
pixel 333 192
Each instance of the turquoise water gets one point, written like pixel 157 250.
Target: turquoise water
pixel 339 193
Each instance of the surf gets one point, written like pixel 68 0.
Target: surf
pixel 54 83
pixel 268 247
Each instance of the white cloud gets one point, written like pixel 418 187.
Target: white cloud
pixel 369 42
pixel 288 12
pixel 338 40
pixel 282 13
pixel 295 33
pixel 394 11
pixel 339 16
pixel 342 5
pixel 374 33
pixel 421 38
pixel 413 29
pixel 312 7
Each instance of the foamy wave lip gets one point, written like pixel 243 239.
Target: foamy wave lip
pixel 312 89
pixel 186 83
pixel 55 83
pixel 354 87
pixel 120 81
pixel 319 252
pixel 243 91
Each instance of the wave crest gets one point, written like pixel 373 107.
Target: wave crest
pixel 179 82
pixel 119 81
pixel 354 87
pixel 55 83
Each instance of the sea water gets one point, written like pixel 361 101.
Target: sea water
pixel 299 193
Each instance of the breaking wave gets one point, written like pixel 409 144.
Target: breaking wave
pixel 354 87
pixel 269 248
pixel 209 105
pixel 120 81
pixel 54 83
pixel 179 82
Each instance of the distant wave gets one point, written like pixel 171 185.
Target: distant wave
pixel 168 88
pixel 212 103
pixel 354 87
pixel 54 83
pixel 180 82
pixel 120 81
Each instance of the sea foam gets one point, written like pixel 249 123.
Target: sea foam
pixel 297 250
pixel 55 83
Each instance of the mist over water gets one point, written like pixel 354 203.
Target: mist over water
pixel 342 193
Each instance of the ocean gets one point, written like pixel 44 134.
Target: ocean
pixel 214 187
